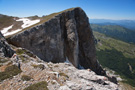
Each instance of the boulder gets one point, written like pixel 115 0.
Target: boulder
pixel 66 35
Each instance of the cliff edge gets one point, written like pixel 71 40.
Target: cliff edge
pixel 65 36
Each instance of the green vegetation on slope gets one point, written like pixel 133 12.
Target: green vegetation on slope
pixel 116 55
pixel 38 86
pixel 9 72
pixel 115 31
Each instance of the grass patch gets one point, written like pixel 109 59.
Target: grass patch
pixel 9 72
pixel 24 59
pixel 24 51
pixel 25 78
pixel 41 66
pixel 63 74
pixel 20 51
pixel 38 86
pixel 56 66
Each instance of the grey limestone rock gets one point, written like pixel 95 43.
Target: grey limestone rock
pixel 66 35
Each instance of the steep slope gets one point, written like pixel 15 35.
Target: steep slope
pixel 63 35
pixel 117 55
pixel 115 31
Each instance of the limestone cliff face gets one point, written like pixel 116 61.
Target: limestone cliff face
pixel 5 49
pixel 67 35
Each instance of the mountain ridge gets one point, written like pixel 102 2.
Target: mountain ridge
pixel 115 31
pixel 130 24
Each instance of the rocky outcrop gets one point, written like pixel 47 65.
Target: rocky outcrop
pixel 66 35
pixel 5 49
pixel 59 76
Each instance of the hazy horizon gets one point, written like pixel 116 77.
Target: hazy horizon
pixel 95 9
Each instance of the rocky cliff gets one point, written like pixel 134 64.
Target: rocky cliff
pixel 5 49
pixel 65 36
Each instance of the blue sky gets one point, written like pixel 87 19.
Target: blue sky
pixel 100 9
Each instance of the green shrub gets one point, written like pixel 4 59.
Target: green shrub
pixel 38 86
pixel 26 78
pixel 20 51
pixel 9 72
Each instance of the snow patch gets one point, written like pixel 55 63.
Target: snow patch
pixel 5 30
pixel 13 32
pixel 27 22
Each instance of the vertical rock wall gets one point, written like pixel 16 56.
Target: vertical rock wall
pixel 66 35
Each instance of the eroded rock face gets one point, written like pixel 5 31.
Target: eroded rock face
pixel 67 35
pixel 5 49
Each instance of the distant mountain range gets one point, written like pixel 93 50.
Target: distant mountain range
pixel 115 31
pixel 130 24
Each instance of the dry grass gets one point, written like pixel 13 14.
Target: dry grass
pixel 63 74
pixel 41 66
pixel 38 86
pixel 9 72
pixel 25 78
pixel 5 21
